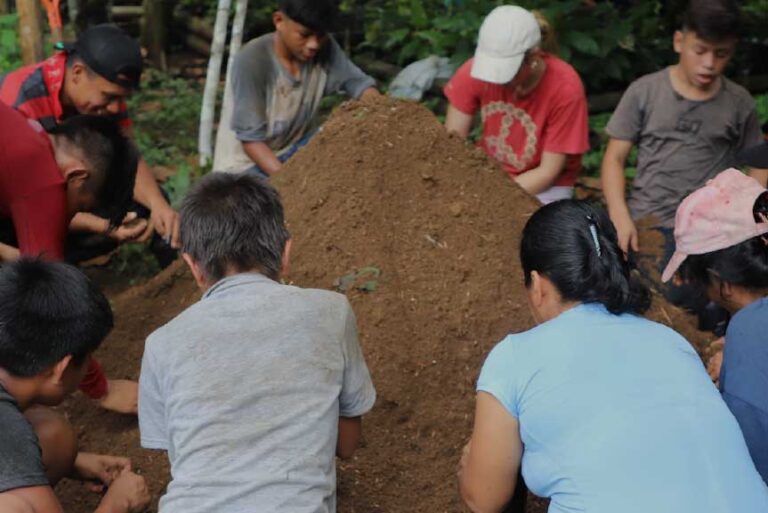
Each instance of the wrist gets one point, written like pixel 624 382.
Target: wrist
pixel 107 505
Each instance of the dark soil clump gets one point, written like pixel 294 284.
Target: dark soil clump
pixel 421 231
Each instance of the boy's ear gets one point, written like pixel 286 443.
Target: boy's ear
pixel 59 368
pixel 277 18
pixel 677 41
pixel 286 260
pixel 76 174
pixel 197 271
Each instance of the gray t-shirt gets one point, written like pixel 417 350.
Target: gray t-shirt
pixel 21 460
pixel 272 106
pixel 681 143
pixel 244 390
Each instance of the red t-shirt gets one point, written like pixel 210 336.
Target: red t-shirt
pixel 33 194
pixel 553 118
pixel 35 91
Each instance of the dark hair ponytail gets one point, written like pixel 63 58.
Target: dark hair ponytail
pixel 574 245
pixel 744 265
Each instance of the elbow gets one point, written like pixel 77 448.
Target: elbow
pixel 477 501
pixel 345 453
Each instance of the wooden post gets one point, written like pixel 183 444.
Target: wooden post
pixel 154 31
pixel 30 31
pixel 4 7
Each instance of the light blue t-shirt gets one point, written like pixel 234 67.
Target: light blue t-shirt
pixel 617 414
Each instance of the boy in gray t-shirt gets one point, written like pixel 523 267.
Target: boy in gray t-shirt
pixel 687 121
pixel 254 389
pixel 277 83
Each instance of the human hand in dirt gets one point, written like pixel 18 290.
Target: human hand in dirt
pixel 166 221
pixel 626 232
pixel 100 469
pixel 715 362
pixel 132 229
pixel 128 493
pixel 122 397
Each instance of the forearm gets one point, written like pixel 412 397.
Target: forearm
pixel 537 180
pixel 614 186
pixel 85 222
pixel 263 156
pixel 350 432
pixel 761 175
pixel 8 253
pixel 147 191
pixel 541 178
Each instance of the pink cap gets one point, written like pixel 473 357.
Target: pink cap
pixel 717 216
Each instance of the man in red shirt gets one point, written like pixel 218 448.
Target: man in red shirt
pixel 533 105
pixel 45 179
pixel 93 76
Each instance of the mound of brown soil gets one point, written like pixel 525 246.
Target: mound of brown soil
pixel 421 231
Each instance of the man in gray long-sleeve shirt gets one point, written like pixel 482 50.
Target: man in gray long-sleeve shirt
pixel 278 81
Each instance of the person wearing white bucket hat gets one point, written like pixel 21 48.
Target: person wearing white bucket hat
pixel 533 105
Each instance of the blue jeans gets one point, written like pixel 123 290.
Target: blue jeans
pixel 255 170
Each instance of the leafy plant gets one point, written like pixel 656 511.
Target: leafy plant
pixel 10 52
pixel 166 112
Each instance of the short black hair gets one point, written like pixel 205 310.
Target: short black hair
pixel 574 244
pixel 234 222
pixel 48 311
pixel 713 20
pixel 111 156
pixel 317 15
pixel 744 265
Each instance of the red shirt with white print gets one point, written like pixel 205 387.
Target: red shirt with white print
pixel 516 131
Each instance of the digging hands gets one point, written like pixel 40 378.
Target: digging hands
pixel 716 360
pixel 128 493
pixel 122 397
pixel 166 221
pixel 626 232
pixel 100 470
pixel 132 229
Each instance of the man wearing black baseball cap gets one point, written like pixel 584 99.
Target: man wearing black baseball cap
pixel 94 75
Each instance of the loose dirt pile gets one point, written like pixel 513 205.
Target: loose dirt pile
pixel 421 232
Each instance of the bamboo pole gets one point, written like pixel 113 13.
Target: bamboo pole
pixel 30 31
pixel 207 112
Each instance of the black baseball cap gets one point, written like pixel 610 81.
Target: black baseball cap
pixel 756 156
pixel 111 53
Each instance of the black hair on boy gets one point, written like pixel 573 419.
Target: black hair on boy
pixel 713 20
pixel 744 265
pixel 317 15
pixel 111 156
pixel 48 311
pixel 234 222
pixel 574 245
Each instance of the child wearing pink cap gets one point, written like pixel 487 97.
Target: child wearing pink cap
pixel 721 234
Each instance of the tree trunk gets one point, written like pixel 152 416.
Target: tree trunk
pixel 154 33
pixel 30 31
pixel 212 82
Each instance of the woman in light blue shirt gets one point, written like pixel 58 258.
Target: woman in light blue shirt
pixel 605 411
